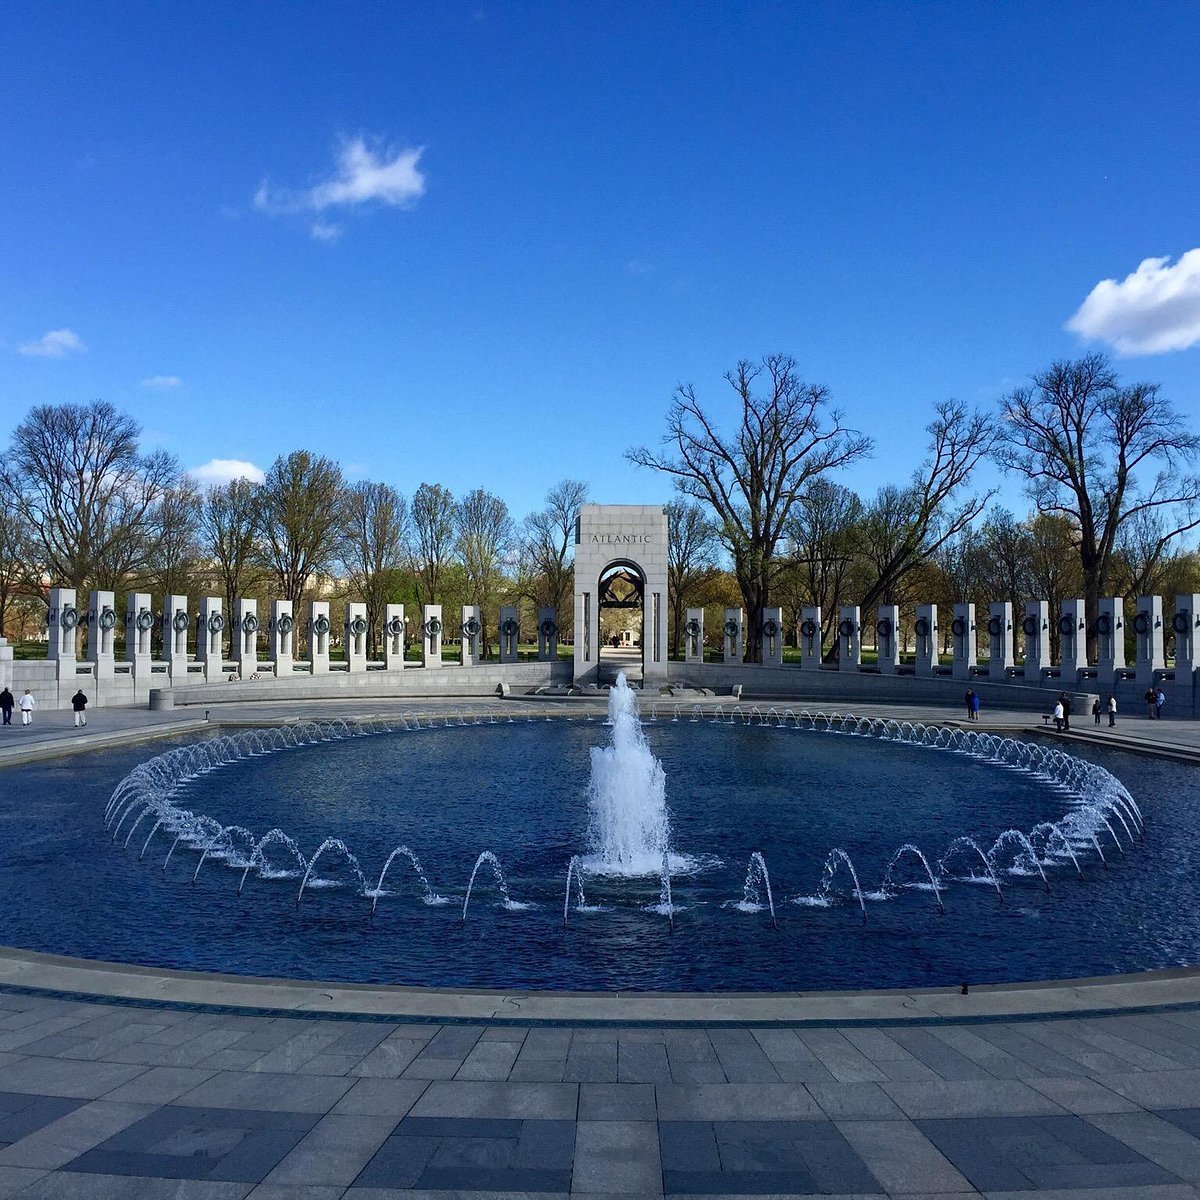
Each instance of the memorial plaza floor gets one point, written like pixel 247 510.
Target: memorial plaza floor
pixel 134 1083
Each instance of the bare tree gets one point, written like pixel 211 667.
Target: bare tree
pixel 904 527
pixel 175 533
pixel 15 560
pixel 85 493
pixel 786 437
pixel 1085 445
pixel 1054 565
pixel 823 534
pixel 485 535
pixel 229 523
pixel 299 512
pixel 375 526
pixel 432 538
pixel 548 547
pixel 691 561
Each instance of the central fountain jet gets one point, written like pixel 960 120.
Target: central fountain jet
pixel 629 828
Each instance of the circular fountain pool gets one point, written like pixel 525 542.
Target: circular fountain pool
pixel 892 863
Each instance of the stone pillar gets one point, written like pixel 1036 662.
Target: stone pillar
pixel 176 621
pixel 925 637
pixel 209 637
pixel 1148 626
pixel 693 636
pixel 393 637
pixel 1036 628
pixel 319 629
pixel 139 622
pixel 510 633
pixel 547 634
pixel 102 634
pixel 849 638
pixel 1110 642
pixel 732 629
pixel 887 638
pixel 962 639
pixel 61 621
pixel 472 635
pixel 772 637
pixel 281 639
pixel 654 625
pixel 1186 626
pixel 431 636
pixel 1072 641
pixel 810 637
pixel 244 644
pixel 1001 657
pixel 354 637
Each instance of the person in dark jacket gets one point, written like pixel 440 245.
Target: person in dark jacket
pixel 7 701
pixel 79 704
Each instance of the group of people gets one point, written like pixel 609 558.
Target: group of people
pixel 1156 701
pixel 1109 706
pixel 28 703
pixel 971 699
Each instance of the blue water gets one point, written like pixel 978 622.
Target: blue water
pixel 519 791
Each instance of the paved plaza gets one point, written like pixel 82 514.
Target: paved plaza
pixel 112 1098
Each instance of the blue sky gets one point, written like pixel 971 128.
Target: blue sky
pixel 480 244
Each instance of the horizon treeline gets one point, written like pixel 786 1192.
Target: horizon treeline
pixel 759 519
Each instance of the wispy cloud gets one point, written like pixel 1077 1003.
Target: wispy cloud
pixel 325 231
pixel 637 266
pixel 218 471
pixel 56 343
pixel 1152 311
pixel 162 381
pixel 364 175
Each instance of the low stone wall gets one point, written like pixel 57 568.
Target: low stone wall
pixel 482 680
pixel 847 687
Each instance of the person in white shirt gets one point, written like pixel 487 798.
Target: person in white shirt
pixel 26 704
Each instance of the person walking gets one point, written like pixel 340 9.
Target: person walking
pixel 1096 710
pixel 1058 714
pixel 79 704
pixel 26 706
pixel 7 700
pixel 1149 699
pixel 1160 702
pixel 1066 703
pixel 1112 711
pixel 974 705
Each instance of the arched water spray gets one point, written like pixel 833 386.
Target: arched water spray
pixel 343 849
pixel 962 843
pixel 664 896
pixel 428 895
pixel 258 854
pixel 835 858
pixel 909 848
pixel 497 873
pixel 576 868
pixel 757 878
pixel 1030 854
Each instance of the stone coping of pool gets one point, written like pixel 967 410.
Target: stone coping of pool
pixel 30 971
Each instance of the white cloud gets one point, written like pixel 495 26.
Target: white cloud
pixel 57 343
pixel 1152 311
pixel 324 231
pixel 363 175
pixel 162 381
pixel 219 471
